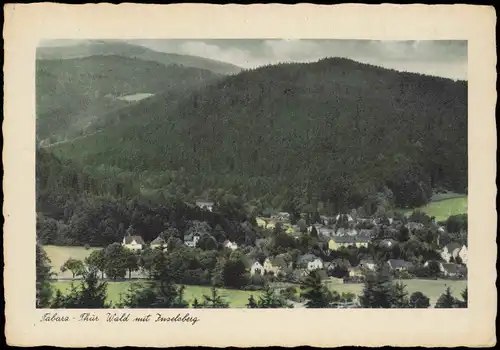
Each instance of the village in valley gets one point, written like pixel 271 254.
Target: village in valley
pixel 340 251
pixel 167 179
pixel 335 234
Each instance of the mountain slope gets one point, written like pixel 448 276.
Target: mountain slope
pixel 72 94
pixel 336 130
pixel 101 48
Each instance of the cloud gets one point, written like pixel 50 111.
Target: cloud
pixel 232 55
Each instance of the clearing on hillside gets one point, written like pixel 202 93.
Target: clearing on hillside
pixel 443 209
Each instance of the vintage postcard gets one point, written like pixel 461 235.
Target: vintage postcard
pixel 302 169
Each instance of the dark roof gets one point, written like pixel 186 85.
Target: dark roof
pixel 366 232
pixel 397 263
pixel 279 261
pixel 138 239
pixel 158 240
pixel 304 259
pixel 452 246
pixel 451 268
pixel 363 239
pixel 343 239
pixel 341 262
pixel 366 261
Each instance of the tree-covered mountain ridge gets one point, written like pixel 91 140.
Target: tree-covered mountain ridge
pixel 124 49
pixel 335 131
pixel 73 95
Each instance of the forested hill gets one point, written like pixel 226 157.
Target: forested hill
pixel 74 94
pixel 335 130
pixel 116 48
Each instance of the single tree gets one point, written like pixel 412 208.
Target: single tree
pixel 377 291
pixel 89 294
pixel 96 260
pixel 418 300
pixel 116 261
pixel 214 301
pixel 400 296
pixel 77 267
pixel 196 304
pixel 316 294
pixel 251 303
pixel 43 275
pixel 269 299
pixel 446 300
pixel 314 232
pixel 464 302
pixel 131 262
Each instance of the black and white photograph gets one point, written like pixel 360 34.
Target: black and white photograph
pixel 251 173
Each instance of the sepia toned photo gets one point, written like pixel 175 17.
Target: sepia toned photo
pixel 255 169
pixel 251 174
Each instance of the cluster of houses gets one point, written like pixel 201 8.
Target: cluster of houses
pixel 332 238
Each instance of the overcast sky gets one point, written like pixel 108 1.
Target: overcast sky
pixel 441 58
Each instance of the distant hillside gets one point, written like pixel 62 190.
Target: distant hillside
pixel 74 94
pixel 93 48
pixel 336 131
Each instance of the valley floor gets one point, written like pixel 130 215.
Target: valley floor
pixel 239 298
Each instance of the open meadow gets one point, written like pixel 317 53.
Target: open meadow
pixel 236 298
pixel 442 207
pixel 59 254
pixel 239 298
pixel 431 288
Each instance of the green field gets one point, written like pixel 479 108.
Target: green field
pixel 442 208
pixel 59 254
pixel 432 288
pixel 236 298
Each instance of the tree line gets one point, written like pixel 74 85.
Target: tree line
pixel 161 291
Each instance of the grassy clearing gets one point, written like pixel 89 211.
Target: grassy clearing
pixel 431 288
pixel 442 208
pixel 59 254
pixel 236 298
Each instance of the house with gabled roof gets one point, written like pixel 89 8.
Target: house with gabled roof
pixel 454 250
pixel 133 242
pixel 341 241
pixel 303 260
pixel 275 265
pixel 316 264
pixel 256 268
pixel 158 242
pixel 399 265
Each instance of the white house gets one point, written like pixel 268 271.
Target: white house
pixel 133 242
pixel 454 250
pixel 316 264
pixel 230 245
pixel 208 205
pixel 464 255
pixel 256 268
